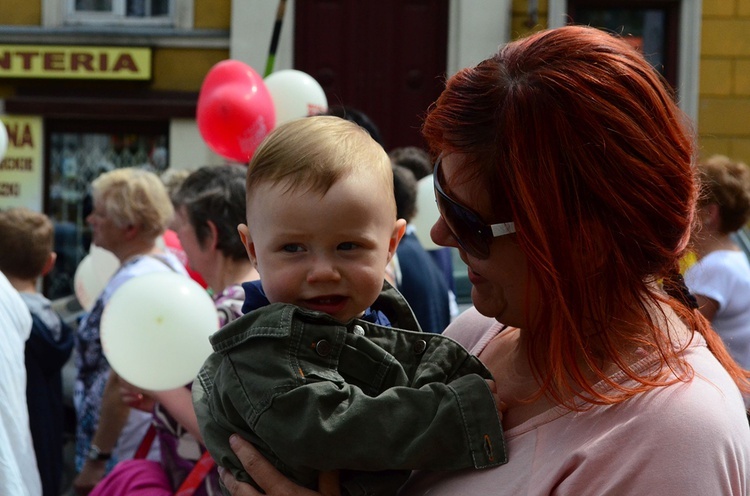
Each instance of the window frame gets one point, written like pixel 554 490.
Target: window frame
pixel 61 13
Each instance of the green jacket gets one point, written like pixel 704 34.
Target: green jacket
pixel 316 394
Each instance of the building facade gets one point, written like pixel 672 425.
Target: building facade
pixel 89 85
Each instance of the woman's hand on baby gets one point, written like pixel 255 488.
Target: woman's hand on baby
pixel 273 482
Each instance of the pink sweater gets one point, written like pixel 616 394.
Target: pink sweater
pixel 686 439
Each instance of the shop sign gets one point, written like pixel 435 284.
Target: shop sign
pixel 75 62
pixel 22 169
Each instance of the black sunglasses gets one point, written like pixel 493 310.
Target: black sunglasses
pixel 467 227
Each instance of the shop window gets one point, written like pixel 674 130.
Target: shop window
pixel 75 158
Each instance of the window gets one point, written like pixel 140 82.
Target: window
pixel 122 13
pixel 152 12
pixel 77 152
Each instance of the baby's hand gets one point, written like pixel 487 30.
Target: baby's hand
pixel 500 404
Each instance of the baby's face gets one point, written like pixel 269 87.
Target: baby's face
pixel 324 253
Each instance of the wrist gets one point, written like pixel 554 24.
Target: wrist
pixel 96 454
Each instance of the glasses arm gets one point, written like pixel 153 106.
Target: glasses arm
pixel 502 229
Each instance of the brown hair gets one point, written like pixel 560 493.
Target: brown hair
pixel 314 152
pixel 26 241
pixel 726 183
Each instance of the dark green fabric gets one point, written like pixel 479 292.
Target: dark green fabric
pixel 315 394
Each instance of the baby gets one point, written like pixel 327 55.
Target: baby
pixel 329 369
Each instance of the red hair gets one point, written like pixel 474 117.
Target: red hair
pixel 593 159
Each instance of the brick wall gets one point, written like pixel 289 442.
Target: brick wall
pixel 724 109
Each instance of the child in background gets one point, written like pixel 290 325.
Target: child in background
pixel 26 254
pixel 319 363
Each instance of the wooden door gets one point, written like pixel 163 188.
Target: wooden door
pixel 386 58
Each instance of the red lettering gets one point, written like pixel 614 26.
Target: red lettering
pixel 83 60
pixel 103 62
pixel 26 58
pixel 54 61
pixel 25 137
pixel 5 61
pixel 125 62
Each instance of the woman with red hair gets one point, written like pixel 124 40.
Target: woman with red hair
pixel 565 178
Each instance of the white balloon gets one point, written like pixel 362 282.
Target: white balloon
pixel 92 275
pixel 86 283
pixel 427 212
pixel 105 263
pixel 295 94
pixel 3 140
pixel 155 328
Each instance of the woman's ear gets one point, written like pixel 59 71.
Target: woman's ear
pixel 247 240
pixel 711 216
pixel 213 236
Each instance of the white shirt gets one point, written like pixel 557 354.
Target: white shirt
pixel 724 276
pixel 19 474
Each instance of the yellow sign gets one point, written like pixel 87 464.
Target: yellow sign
pixel 22 170
pixel 74 62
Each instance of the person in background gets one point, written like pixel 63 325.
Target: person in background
pixel 358 117
pixel 209 205
pixel 26 254
pixel 421 281
pixel 18 469
pixel 720 279
pixel 131 210
pixel 565 179
pixel 172 179
pixel 418 161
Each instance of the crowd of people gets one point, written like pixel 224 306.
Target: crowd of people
pixel 585 337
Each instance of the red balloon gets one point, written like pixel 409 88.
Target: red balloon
pixel 235 110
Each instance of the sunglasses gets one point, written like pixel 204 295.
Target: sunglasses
pixel 471 233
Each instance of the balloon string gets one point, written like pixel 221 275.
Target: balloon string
pixel 275 37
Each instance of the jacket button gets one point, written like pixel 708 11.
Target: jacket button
pixel 358 330
pixel 323 348
pixel 420 346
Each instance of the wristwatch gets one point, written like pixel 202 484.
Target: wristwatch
pixel 96 454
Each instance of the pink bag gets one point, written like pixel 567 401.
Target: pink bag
pixel 134 478
pixel 141 477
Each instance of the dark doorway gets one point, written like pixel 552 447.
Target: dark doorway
pixel 386 58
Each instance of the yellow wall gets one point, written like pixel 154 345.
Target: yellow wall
pixel 183 69
pixel 20 12
pixel 212 14
pixel 724 111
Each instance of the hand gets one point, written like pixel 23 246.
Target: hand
pixel 136 398
pixel 89 476
pixel 273 482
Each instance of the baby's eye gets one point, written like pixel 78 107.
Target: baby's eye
pixel 347 246
pixel 291 248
